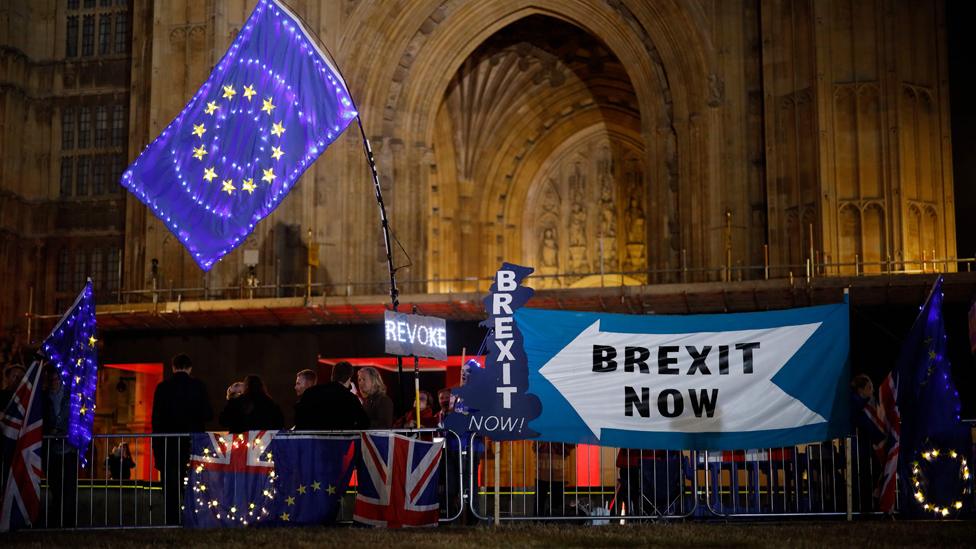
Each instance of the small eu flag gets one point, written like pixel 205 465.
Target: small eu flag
pixel 270 107
pixel 71 348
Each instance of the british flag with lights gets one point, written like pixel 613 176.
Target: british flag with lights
pixel 398 481
pixel 21 426
pixel 271 106
pixel 231 480
pixel 71 348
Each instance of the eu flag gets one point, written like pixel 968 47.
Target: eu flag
pixel 270 107
pixel 71 348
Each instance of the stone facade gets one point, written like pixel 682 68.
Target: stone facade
pixel 582 137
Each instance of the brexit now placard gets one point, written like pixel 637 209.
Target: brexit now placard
pixel 725 381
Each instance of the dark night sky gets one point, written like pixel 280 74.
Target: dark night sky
pixel 962 91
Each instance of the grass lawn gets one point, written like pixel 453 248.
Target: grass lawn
pixel 713 534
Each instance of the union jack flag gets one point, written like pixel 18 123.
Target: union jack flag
pixel 22 426
pixel 231 479
pixel 398 481
pixel 888 449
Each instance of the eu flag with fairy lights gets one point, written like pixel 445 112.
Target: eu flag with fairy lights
pixel 71 349
pixel 270 107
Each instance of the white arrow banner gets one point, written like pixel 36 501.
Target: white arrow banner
pixel 703 382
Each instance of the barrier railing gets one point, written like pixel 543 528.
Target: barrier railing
pixel 138 481
pixel 554 481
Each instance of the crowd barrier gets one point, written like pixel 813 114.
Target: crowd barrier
pixel 553 481
pixel 483 480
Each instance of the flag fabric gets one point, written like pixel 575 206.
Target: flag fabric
pixel 398 481
pixel 22 433
pixel 231 480
pixel 267 478
pixel 918 402
pixel 313 473
pixel 71 348
pixel 271 106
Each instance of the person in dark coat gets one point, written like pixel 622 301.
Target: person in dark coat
pixel 180 405
pixel 253 410
pixel 330 406
pixel 60 458
pixel 378 406
pixel 12 375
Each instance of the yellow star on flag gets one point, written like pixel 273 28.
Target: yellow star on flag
pixel 301 488
pixel 78 362
pixel 199 152
pixel 268 106
pixel 199 130
pixel 277 153
pixel 277 129
pixel 248 185
pixel 249 92
pixel 211 108
pixel 83 410
pixel 316 486
pixel 290 500
pixel 229 92
pixel 285 517
pixel 229 187
pixel 209 174
pixel 931 354
pixel 331 490
pixel 77 380
pixel 92 341
pixel 269 175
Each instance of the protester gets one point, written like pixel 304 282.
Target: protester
pixel 866 421
pixel 378 406
pixel 120 462
pixel 444 404
pixel 180 405
pixel 330 406
pixel 12 375
pixel 427 417
pixel 61 458
pixel 457 445
pixel 550 500
pixel 254 410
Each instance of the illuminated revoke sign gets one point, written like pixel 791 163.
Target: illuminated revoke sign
pixel 415 335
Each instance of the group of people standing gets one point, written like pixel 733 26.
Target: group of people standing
pixel 181 406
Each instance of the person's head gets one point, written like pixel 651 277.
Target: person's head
pixel 12 375
pixel 182 363
pixel 424 400
pixel 466 370
pixel 235 390
pixel 370 382
pixel 304 380
pixel 444 398
pixel 862 386
pixel 50 378
pixel 342 373
pixel 254 387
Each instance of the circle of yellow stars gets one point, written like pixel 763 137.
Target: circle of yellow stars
pixel 277 129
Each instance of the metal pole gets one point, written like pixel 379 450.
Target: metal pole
pixel 30 312
pixel 847 479
pixel 385 224
pixel 766 261
pixel 498 481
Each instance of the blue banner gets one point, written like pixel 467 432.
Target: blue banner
pixel 726 381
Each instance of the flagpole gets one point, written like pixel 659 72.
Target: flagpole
pixel 384 221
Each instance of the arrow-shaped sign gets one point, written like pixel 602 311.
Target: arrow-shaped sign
pixel 700 382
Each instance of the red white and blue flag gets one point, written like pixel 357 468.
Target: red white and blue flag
pixel 889 448
pixel 22 432
pixel 398 481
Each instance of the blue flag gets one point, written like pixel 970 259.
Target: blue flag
pixel 928 403
pixel 313 475
pixel 270 107
pixel 71 348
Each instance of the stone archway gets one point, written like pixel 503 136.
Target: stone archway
pixel 671 88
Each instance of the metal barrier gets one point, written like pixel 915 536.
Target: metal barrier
pixel 554 481
pixel 138 481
